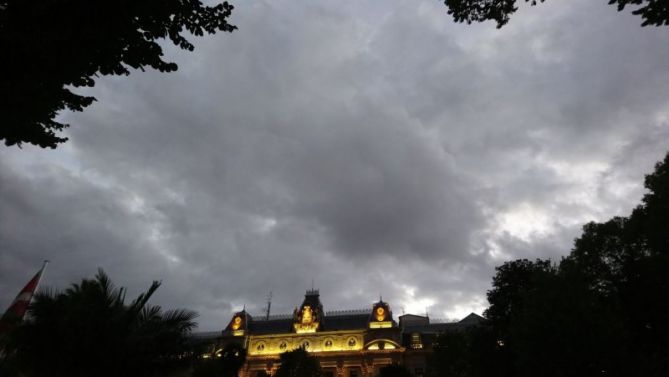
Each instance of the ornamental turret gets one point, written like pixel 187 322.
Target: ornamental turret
pixel 238 325
pixel 308 318
pixel 381 316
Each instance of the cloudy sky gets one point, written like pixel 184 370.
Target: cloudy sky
pixel 375 147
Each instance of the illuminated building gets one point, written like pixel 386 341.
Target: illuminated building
pixel 354 343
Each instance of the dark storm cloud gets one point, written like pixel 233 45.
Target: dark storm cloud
pixel 375 148
pixel 68 220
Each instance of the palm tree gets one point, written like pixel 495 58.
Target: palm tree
pixel 88 330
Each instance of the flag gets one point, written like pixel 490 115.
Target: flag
pixel 18 308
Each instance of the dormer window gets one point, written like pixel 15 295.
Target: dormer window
pixel 308 317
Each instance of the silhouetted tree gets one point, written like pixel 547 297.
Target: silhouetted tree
pixel 50 46
pixel 566 329
pixel 394 370
pixel 88 330
pixel 626 261
pixel 653 12
pixel 512 281
pixel 450 356
pixel 601 311
pixel 298 363
pixel 472 352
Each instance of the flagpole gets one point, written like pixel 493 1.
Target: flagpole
pixel 18 308
pixel 41 274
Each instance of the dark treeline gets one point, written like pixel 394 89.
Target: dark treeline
pixel 89 330
pixel 601 311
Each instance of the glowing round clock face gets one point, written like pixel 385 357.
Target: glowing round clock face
pixel 380 314
pixel 236 323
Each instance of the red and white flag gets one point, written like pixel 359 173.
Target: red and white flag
pixel 18 308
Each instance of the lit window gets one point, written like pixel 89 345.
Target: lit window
pixel 415 341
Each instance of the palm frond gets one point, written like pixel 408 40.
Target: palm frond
pixel 182 319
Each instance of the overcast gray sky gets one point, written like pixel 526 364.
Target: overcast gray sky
pixel 373 146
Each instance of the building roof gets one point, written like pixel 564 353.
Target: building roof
pixel 271 326
pixel 472 319
pixel 310 317
pixel 333 321
pixel 434 328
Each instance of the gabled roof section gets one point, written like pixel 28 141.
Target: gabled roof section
pixel 413 320
pixel 239 322
pixel 472 319
pixel 426 327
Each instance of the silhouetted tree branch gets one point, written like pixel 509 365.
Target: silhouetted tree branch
pixel 653 12
pixel 50 46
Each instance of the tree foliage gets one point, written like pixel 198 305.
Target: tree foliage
pixel 50 46
pixel 89 330
pixel 513 280
pixel 601 311
pixel 472 352
pixel 625 261
pixel 653 12
pixel 298 363
pixel 394 370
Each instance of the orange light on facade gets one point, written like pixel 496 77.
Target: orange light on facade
pixel 236 323
pixel 380 314
pixel 380 325
pixel 306 315
pixel 337 341
pixel 307 323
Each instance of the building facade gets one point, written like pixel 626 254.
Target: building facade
pixel 354 343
